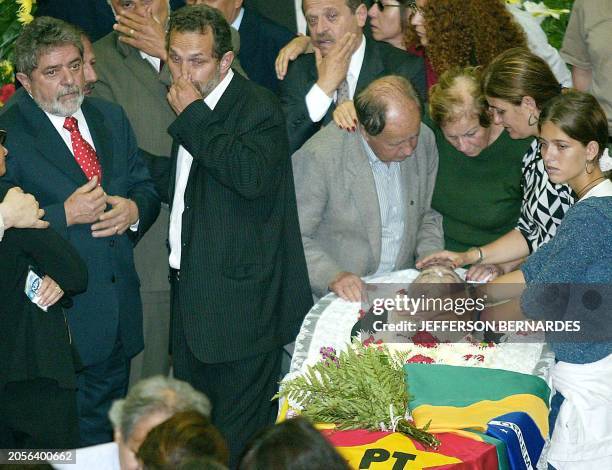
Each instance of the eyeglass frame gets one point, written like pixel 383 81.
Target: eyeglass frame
pixel 381 6
pixel 411 5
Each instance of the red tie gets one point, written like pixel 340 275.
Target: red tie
pixel 84 154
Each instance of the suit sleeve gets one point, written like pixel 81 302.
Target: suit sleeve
pixel 414 70
pixel 312 199
pixel 293 90
pixel 55 214
pixel 430 237
pixel 245 160
pixel 55 257
pixel 141 188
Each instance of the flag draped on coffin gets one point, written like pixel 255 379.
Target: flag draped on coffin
pixel 394 451
pixel 510 406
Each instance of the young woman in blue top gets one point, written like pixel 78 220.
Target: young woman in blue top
pixel 569 278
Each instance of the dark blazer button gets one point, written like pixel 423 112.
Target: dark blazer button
pixel 113 279
pixel 111 243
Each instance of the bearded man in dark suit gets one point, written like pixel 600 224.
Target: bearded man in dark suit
pixel 240 286
pixel 79 158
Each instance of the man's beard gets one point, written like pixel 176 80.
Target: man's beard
pixel 206 88
pixel 64 109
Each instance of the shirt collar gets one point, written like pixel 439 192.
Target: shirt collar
pixel 357 59
pixel 238 21
pixel 372 158
pixel 58 121
pixel 154 61
pixel 214 96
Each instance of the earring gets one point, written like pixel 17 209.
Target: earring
pixel 535 120
pixel 586 166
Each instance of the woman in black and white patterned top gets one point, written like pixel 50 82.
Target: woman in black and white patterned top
pixel 517 84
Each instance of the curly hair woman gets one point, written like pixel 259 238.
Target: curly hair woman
pixel 461 33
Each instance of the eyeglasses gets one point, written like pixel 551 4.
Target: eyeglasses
pixel 414 8
pixel 381 6
pixel 2 136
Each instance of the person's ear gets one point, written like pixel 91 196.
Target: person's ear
pixel 226 61
pixel 25 81
pixel 117 437
pixel 592 150
pixel 362 15
pixel 529 103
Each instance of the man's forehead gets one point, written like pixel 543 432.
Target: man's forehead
pixel 322 5
pixel 192 40
pixel 58 54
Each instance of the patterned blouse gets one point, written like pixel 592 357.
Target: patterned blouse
pixel 544 203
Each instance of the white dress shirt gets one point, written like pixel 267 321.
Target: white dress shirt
pixel 317 100
pixel 183 167
pixel 388 181
pixel 58 123
pixel 238 21
pixel 154 61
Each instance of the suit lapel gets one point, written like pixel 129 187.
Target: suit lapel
pixel 371 68
pixel 48 142
pixel 143 71
pixel 363 189
pixel 102 139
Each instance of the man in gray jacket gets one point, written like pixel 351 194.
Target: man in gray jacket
pixel 364 197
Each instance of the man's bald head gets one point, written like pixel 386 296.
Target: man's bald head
pixel 389 114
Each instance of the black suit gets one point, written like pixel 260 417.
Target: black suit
pixel 37 364
pixel 243 287
pixel 110 311
pixel 279 11
pixel 380 59
pixel 95 17
pixel 261 40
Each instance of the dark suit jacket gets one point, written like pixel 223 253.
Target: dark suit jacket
pixel 95 17
pixel 42 164
pixel 279 11
pixel 261 40
pixel 380 59
pixel 243 284
pixel 34 343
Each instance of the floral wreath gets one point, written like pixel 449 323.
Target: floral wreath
pixel 14 14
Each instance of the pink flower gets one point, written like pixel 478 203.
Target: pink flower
pixel 6 92
pixel 420 359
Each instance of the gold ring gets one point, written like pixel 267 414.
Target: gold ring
pixel 131 32
pixel 116 229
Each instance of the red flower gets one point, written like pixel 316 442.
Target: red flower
pixel 368 341
pixel 420 359
pixel 6 92
pixel 425 339
pixel 479 357
pixel 362 313
pixel 467 357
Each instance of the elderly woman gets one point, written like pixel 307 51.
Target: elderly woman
pixel 517 85
pixel 149 403
pixel 478 187
pixel 569 279
pixel 38 406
